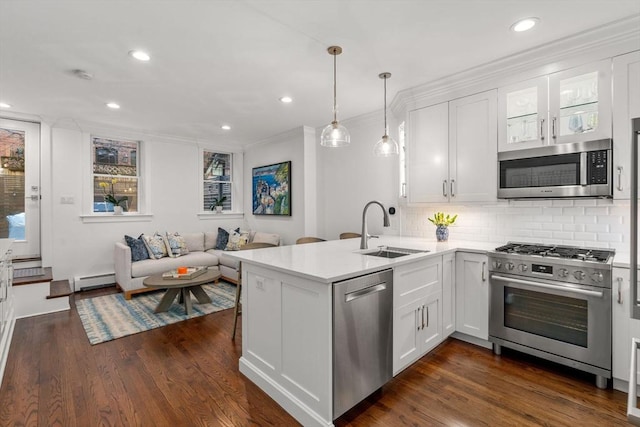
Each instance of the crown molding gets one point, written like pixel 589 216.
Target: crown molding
pixel 608 40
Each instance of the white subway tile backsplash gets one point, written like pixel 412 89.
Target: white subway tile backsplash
pixel 594 223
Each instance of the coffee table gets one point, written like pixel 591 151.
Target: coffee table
pixel 182 287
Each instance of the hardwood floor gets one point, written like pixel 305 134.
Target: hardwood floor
pixel 186 374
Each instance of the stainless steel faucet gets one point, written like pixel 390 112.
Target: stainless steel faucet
pixel 365 235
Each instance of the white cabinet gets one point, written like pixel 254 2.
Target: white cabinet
pixel 624 329
pixel 449 146
pixel 417 314
pixel 626 96
pixel 569 106
pixel 7 313
pixel 448 294
pixel 472 294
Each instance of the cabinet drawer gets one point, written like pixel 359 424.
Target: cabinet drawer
pixel 416 280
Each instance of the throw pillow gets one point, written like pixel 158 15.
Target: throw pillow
pixel 222 240
pixel 261 237
pixel 138 248
pixel 176 245
pixel 237 240
pixel 155 245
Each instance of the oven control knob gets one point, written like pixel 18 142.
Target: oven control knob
pixel 563 272
pixel 579 275
pixel 497 265
pixel 523 267
pixel 597 277
pixel 510 266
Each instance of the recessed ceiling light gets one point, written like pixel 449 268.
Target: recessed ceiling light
pixel 524 24
pixel 286 99
pixel 113 105
pixel 4 105
pixel 225 127
pixel 140 55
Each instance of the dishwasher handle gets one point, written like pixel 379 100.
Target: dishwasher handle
pixel 364 292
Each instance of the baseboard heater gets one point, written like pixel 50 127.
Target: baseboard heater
pixel 85 283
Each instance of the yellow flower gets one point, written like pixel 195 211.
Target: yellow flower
pixel 103 185
pixel 114 181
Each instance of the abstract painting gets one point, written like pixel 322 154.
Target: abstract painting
pixel 272 189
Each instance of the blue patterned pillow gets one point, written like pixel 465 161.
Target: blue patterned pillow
pixel 222 240
pixel 138 248
pixel 176 246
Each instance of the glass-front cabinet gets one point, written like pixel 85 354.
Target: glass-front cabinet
pixel 564 107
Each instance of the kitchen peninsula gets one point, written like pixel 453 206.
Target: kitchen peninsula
pixel 287 325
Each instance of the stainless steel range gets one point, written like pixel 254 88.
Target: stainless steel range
pixel 553 302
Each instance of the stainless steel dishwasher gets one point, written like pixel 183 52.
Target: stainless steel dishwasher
pixel 362 338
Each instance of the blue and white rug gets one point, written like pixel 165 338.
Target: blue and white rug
pixel 109 317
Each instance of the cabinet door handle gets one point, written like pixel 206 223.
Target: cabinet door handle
pixel 619 178
pixel 553 127
pixel 444 188
pixel 427 317
pixel 423 317
pixel 484 275
pixel 418 317
pixel 404 189
pixel 619 280
pixel 541 129
pixel 453 194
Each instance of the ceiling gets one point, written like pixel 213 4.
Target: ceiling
pixel 228 61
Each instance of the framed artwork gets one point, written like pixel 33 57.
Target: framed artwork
pixel 272 189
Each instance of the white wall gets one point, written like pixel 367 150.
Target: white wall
pixel 173 174
pixel 290 146
pixel 349 177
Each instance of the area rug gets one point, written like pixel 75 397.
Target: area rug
pixel 109 317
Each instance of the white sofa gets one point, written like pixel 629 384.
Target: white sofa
pixel 130 275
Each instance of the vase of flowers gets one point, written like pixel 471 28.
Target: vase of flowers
pixel 442 222
pixel 218 203
pixel 110 196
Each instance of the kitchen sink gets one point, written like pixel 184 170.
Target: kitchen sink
pixel 391 252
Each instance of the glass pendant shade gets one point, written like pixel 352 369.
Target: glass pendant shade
pixel 386 147
pixel 335 135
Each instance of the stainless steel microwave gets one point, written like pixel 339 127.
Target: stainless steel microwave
pixel 582 169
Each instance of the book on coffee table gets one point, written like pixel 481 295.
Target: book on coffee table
pixel 190 274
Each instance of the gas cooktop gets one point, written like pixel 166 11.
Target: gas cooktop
pixel 557 251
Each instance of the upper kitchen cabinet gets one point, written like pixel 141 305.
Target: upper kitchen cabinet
pixel 569 106
pixel 626 96
pixel 522 114
pixel 449 146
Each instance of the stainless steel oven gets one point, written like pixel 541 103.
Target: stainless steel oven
pixel 566 170
pixel 555 308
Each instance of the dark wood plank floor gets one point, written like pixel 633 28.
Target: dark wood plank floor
pixel 186 374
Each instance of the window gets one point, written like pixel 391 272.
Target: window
pixel 217 180
pixel 115 174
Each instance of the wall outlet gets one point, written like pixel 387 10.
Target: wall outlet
pixel 260 283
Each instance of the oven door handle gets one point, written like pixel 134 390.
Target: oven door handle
pixel 559 287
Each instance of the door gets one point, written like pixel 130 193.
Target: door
pixel 580 103
pixel 473 148
pixel 406 334
pixel 431 315
pixel 20 186
pixel 472 295
pixel 626 97
pixel 428 158
pixel 522 115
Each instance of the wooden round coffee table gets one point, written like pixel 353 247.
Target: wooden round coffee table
pixel 182 287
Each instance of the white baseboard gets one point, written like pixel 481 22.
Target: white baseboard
pixel 31 300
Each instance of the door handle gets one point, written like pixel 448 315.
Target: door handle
pixel 364 292
pixel 619 178
pixel 541 129
pixel 553 128
pixel 423 317
pixel 444 188
pixel 453 194
pixel 619 280
pixel 484 276
pixel 418 317
pixel 427 317
pixel 34 197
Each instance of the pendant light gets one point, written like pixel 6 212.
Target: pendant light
pixel 334 134
pixel 386 146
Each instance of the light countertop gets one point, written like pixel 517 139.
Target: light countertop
pixel 336 260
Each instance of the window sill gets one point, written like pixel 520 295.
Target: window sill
pixel 221 215
pixel 110 217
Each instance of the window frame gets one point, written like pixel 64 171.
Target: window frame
pixel 236 206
